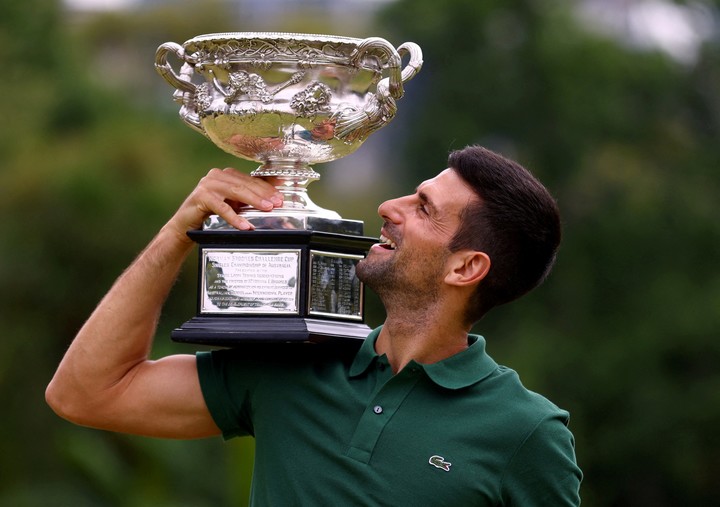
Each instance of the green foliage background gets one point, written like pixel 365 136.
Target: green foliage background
pixel 624 334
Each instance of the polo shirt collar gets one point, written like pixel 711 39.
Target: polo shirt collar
pixel 457 371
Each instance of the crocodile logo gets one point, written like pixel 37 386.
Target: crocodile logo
pixel 439 462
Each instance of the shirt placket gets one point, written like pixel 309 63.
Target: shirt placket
pixel 379 412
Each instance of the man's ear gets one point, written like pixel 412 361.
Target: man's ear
pixel 467 267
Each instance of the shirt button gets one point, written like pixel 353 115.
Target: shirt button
pixel 377 409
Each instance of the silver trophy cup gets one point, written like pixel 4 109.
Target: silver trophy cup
pixel 286 101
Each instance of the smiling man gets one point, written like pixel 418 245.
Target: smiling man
pixel 421 415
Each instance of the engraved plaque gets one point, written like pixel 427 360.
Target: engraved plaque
pixel 277 286
pixel 335 291
pixel 238 281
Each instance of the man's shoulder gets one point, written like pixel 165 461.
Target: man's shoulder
pixel 287 353
pixel 259 361
pixel 513 401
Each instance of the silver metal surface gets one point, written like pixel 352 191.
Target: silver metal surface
pixel 288 101
pixel 297 222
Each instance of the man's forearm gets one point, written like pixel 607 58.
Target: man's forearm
pixel 119 333
pixel 105 379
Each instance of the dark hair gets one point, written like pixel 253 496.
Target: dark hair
pixel 515 221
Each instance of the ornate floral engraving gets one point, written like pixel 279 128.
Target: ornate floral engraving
pixel 203 98
pixel 264 51
pixel 251 86
pixel 246 84
pixel 312 100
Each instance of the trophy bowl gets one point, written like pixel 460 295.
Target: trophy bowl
pixel 288 101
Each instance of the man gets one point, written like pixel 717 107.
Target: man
pixel 420 416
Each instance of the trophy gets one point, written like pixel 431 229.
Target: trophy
pixel 286 101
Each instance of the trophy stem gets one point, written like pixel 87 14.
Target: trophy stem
pixel 298 211
pixel 291 178
pixel 291 170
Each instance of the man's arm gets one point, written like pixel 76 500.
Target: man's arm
pixel 544 469
pixel 105 380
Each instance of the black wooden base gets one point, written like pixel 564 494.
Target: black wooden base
pixel 307 326
pixel 231 330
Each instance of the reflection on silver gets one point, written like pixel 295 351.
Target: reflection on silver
pixel 263 220
pixel 288 100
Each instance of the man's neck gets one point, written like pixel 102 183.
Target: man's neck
pixel 426 340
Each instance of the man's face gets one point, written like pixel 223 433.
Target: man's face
pixel 410 259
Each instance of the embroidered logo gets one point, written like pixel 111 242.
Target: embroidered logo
pixel 439 462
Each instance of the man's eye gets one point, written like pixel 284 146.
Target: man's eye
pixel 423 209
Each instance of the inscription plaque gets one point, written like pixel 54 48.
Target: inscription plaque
pixel 334 289
pixel 250 281
pixel 277 286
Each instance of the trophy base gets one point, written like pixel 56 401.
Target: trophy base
pixel 230 331
pixel 283 220
pixel 277 287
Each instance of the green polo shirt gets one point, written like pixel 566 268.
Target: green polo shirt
pixel 333 430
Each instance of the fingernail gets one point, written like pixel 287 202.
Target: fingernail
pixel 278 200
pixel 266 204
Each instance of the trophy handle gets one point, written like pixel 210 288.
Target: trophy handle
pixel 415 63
pixel 185 89
pixel 352 124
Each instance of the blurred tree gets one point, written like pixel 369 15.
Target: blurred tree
pixel 623 333
pixel 87 175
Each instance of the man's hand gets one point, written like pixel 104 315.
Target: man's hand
pixel 223 192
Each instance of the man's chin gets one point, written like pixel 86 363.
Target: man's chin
pixel 371 272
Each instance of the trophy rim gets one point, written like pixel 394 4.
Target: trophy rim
pixel 221 37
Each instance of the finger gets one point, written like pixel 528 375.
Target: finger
pixel 224 192
pixel 240 187
pixel 227 212
pixel 220 193
pixel 203 202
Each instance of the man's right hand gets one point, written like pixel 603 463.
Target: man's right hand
pixel 223 192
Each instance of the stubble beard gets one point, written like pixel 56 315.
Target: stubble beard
pixel 405 284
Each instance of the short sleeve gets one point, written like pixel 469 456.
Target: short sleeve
pixel 544 471
pixel 226 395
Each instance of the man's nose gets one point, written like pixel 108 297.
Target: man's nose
pixel 390 210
